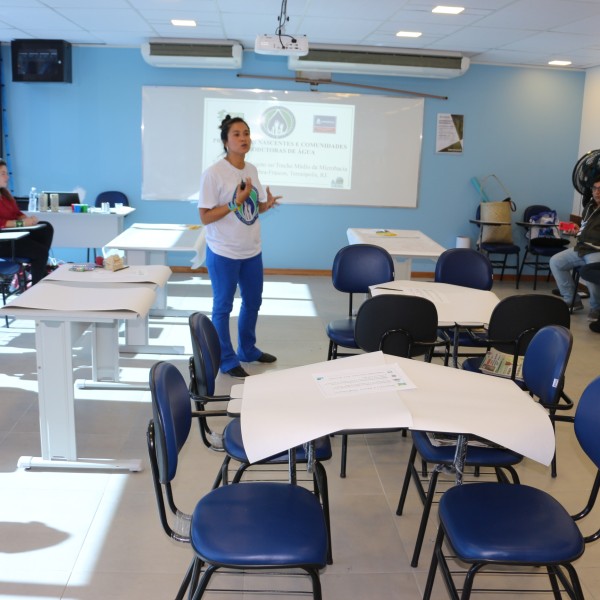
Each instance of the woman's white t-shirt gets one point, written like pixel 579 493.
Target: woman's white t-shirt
pixel 236 235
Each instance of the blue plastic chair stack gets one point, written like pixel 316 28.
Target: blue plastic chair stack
pixel 254 526
pixel 518 526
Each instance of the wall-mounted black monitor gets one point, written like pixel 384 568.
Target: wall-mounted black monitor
pixel 41 61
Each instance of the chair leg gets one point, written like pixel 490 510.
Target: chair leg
pixel 572 585
pixel 201 587
pixel 576 281
pixel 406 482
pixel 520 271
pixel 554 582
pixel 344 456
pixel 425 517
pixel 316 583
pixel 185 584
pixel 322 491
pixel 332 350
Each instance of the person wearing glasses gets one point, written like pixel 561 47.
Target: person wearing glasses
pixel 585 252
pixel 231 199
pixel 34 247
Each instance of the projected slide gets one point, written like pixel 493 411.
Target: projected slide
pixel 297 144
pixel 310 147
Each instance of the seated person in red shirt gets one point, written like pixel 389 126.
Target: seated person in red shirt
pixel 35 247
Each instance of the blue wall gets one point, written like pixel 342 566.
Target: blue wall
pixel 521 124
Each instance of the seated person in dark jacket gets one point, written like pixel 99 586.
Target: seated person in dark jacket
pixel 585 252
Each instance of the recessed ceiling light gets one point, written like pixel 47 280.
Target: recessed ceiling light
pixel 448 10
pixel 413 34
pixel 559 63
pixel 183 22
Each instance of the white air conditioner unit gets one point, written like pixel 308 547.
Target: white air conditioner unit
pixel 374 60
pixel 190 53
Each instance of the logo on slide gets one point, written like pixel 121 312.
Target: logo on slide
pixel 278 122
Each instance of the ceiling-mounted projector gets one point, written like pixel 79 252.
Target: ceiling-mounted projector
pixel 281 45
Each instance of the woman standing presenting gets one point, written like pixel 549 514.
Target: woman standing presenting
pixel 231 198
pixel 36 246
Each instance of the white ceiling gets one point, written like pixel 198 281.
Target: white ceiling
pixel 507 32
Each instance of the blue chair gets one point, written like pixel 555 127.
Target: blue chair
pixel 203 368
pixel 550 345
pixel 514 322
pixel 543 371
pixel 540 249
pixel 355 268
pixel 250 526
pixel 500 525
pixel 468 268
pixel 112 197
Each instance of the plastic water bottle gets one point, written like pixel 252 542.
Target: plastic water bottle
pixel 33 200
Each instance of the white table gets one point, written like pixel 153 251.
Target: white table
pixel 457 306
pixel 402 244
pixel 13 234
pixel 84 230
pixel 60 319
pixel 136 332
pixel 282 409
pixel 149 243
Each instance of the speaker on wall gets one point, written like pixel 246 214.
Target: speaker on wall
pixel 41 61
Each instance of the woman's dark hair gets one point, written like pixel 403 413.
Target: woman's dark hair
pixel 226 124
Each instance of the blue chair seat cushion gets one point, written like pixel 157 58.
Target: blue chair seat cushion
pixel 234 446
pixel 477 456
pixel 501 248
pixel 504 523
pixel 260 524
pixel 8 268
pixel 341 332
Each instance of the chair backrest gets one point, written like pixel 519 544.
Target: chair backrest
pixel 545 363
pixel 466 267
pixel 112 198
pixel 206 354
pixel 401 325
pixel 534 209
pixel 587 421
pixel 358 266
pixel 172 417
pixel 516 319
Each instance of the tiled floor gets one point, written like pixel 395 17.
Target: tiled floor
pixel 96 536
